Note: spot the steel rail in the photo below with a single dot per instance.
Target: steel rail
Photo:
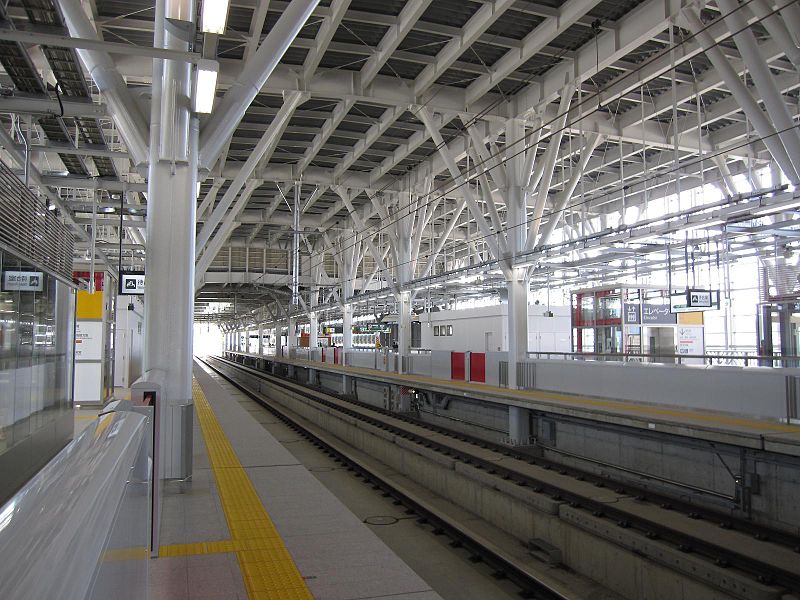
(760, 570)
(504, 566)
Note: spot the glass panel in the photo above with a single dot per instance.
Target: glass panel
(36, 358)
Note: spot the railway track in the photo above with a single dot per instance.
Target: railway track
(768, 558)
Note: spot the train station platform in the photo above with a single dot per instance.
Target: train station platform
(766, 434)
(253, 522)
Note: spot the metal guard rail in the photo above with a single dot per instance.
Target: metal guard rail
(707, 359)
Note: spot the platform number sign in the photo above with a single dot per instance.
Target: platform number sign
(131, 283)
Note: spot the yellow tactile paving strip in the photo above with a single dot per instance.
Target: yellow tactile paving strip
(267, 567)
(563, 399)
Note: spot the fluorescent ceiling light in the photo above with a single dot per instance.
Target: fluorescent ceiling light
(205, 87)
(215, 14)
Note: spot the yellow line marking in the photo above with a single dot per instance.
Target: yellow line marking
(116, 554)
(214, 547)
(85, 417)
(267, 567)
(645, 411)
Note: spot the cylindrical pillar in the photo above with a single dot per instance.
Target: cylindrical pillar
(517, 324)
(403, 328)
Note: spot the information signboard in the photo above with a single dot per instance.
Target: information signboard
(657, 314)
(23, 281)
(631, 314)
(131, 283)
(694, 300)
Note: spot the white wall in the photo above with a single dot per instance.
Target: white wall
(128, 345)
(471, 325)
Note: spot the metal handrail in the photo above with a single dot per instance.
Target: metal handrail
(759, 360)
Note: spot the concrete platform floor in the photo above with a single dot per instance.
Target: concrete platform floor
(347, 541)
(447, 570)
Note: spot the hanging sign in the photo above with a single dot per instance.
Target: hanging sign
(23, 281)
(694, 300)
(131, 283)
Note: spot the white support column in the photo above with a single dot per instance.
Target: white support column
(313, 330)
(403, 328)
(260, 341)
(517, 283)
(264, 149)
(519, 425)
(458, 177)
(122, 106)
(517, 323)
(291, 335)
(563, 198)
(549, 163)
(347, 327)
(169, 295)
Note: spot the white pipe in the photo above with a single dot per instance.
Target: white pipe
(210, 198)
(445, 235)
(549, 165)
(122, 107)
(776, 27)
(233, 105)
(228, 225)
(176, 96)
(458, 178)
(296, 245)
(765, 84)
(564, 196)
(751, 109)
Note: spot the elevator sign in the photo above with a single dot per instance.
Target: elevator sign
(131, 283)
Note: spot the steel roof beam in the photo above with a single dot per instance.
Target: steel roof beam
(129, 119)
(544, 33)
(250, 81)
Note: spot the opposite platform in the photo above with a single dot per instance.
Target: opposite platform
(254, 523)
(707, 425)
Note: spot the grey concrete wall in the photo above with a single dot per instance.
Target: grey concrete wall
(493, 360)
(688, 463)
(741, 391)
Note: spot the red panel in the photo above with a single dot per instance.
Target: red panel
(477, 367)
(323, 355)
(99, 278)
(457, 366)
(336, 356)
